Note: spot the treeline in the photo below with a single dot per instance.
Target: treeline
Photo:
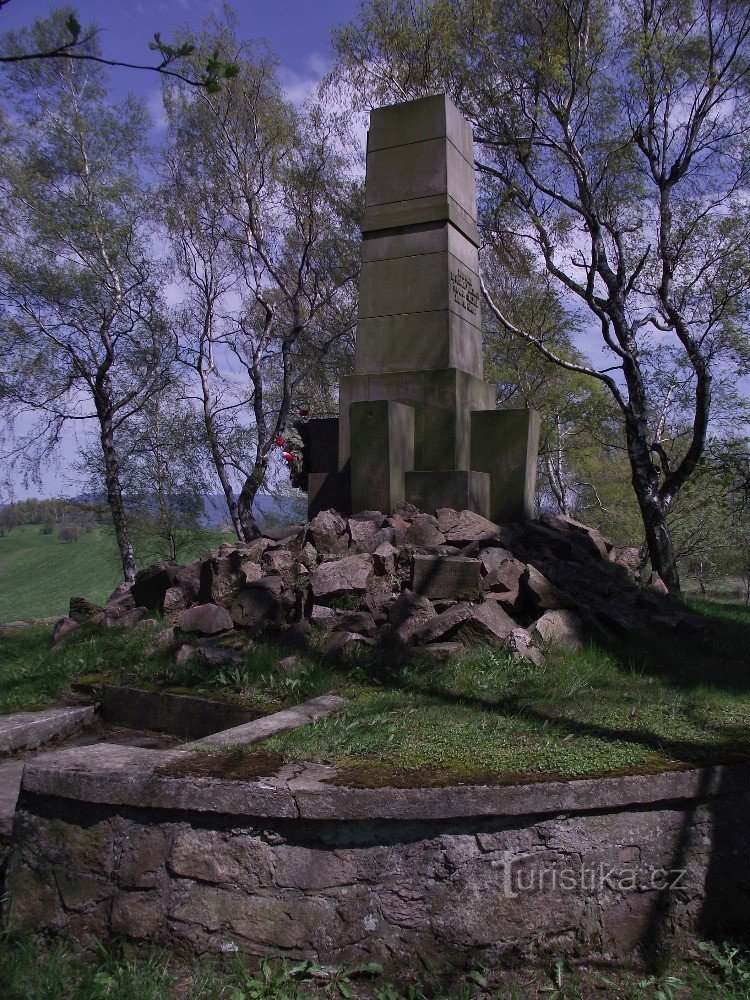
(67, 519)
(189, 301)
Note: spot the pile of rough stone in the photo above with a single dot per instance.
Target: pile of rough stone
(433, 583)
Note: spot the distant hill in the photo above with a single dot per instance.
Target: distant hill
(267, 510)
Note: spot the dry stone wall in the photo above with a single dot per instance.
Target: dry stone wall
(595, 868)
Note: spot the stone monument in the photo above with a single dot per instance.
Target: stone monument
(416, 420)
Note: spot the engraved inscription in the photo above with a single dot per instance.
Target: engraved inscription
(445, 577)
(464, 291)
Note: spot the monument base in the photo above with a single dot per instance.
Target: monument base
(442, 399)
(505, 443)
(457, 489)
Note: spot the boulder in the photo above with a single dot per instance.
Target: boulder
(350, 574)
(81, 610)
(362, 531)
(325, 532)
(362, 622)
(308, 555)
(560, 628)
(252, 571)
(423, 531)
(656, 584)
(468, 623)
(297, 635)
(279, 562)
(441, 626)
(321, 614)
(175, 599)
(486, 623)
(595, 541)
(384, 559)
(493, 557)
(215, 656)
(464, 527)
(258, 602)
(505, 581)
(630, 560)
(407, 614)
(189, 578)
(63, 627)
(152, 583)
(343, 643)
(541, 593)
(521, 646)
(248, 551)
(443, 652)
(205, 619)
(121, 596)
(221, 579)
(125, 618)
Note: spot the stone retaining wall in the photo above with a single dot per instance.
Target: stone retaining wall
(293, 865)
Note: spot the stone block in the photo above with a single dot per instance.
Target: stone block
(416, 121)
(505, 443)
(439, 237)
(320, 436)
(439, 338)
(382, 451)
(445, 577)
(421, 212)
(419, 283)
(443, 400)
(460, 490)
(328, 491)
(402, 175)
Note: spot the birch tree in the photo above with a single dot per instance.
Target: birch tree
(275, 180)
(83, 333)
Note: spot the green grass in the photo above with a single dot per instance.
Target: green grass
(673, 701)
(33, 969)
(642, 706)
(33, 674)
(39, 573)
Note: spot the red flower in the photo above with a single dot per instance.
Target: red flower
(280, 442)
(287, 456)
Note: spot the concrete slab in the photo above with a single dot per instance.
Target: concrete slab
(186, 716)
(27, 730)
(270, 725)
(10, 785)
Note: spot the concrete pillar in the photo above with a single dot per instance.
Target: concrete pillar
(505, 443)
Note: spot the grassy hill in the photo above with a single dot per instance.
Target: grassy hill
(40, 573)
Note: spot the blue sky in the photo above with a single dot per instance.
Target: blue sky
(297, 30)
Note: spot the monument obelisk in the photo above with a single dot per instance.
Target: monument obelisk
(416, 420)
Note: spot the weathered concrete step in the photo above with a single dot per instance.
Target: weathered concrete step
(27, 730)
(277, 722)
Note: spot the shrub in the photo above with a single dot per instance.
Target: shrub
(69, 533)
